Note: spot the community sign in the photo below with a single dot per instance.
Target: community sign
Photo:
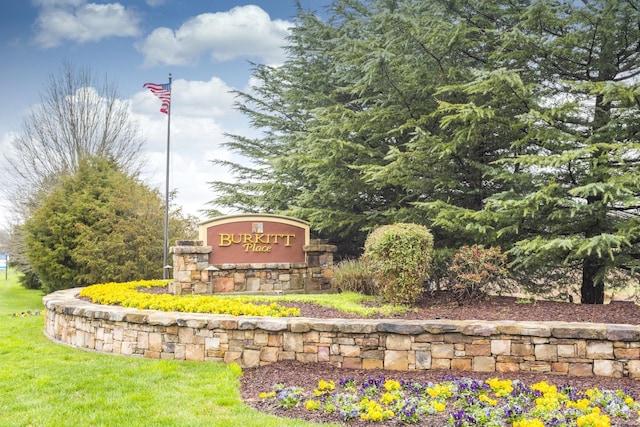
(255, 238)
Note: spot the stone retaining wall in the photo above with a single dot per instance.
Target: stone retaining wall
(578, 349)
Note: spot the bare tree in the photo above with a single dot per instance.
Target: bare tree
(79, 116)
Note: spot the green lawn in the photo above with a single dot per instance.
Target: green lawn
(47, 384)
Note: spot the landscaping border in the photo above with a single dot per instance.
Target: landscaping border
(562, 348)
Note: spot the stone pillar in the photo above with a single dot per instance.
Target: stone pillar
(319, 255)
(190, 258)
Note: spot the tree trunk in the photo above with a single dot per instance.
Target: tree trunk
(592, 289)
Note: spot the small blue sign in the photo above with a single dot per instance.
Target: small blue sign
(4, 260)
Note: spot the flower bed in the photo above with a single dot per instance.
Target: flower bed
(127, 295)
(462, 402)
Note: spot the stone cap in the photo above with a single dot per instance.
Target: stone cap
(320, 248)
(179, 250)
(188, 242)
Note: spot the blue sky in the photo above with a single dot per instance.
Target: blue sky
(205, 44)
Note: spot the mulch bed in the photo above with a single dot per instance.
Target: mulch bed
(291, 373)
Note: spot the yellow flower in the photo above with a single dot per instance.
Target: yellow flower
(391, 385)
(501, 388)
(439, 390)
(312, 405)
(581, 404)
(487, 399)
(438, 406)
(594, 419)
(324, 387)
(528, 423)
(388, 398)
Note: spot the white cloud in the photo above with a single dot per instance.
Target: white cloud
(243, 31)
(201, 114)
(81, 22)
(154, 3)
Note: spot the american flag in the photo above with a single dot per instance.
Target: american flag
(162, 91)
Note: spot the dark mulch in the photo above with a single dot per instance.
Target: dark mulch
(442, 306)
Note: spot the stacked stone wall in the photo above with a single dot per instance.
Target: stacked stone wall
(559, 348)
(191, 277)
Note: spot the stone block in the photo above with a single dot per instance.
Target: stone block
(440, 364)
(212, 343)
(540, 367)
(396, 360)
(251, 358)
(522, 349)
(372, 364)
(484, 364)
(350, 350)
(398, 342)
(292, 342)
(253, 284)
(423, 359)
(599, 350)
(608, 368)
(580, 369)
(223, 284)
(461, 364)
(567, 350)
(627, 353)
(560, 367)
(501, 347)
(623, 333)
(201, 288)
(323, 354)
(269, 354)
(155, 341)
(195, 352)
(442, 351)
(232, 357)
(477, 350)
(546, 352)
(352, 363)
(507, 367)
(633, 366)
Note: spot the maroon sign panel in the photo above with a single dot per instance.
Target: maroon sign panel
(239, 239)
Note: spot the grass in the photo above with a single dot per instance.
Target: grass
(348, 302)
(47, 384)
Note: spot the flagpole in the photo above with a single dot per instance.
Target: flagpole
(165, 269)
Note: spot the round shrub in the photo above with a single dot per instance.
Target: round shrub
(400, 257)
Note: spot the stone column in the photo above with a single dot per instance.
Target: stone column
(319, 255)
(190, 258)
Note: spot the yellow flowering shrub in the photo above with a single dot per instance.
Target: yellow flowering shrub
(127, 295)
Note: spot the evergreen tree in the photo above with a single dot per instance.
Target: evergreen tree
(99, 225)
(495, 122)
(570, 195)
